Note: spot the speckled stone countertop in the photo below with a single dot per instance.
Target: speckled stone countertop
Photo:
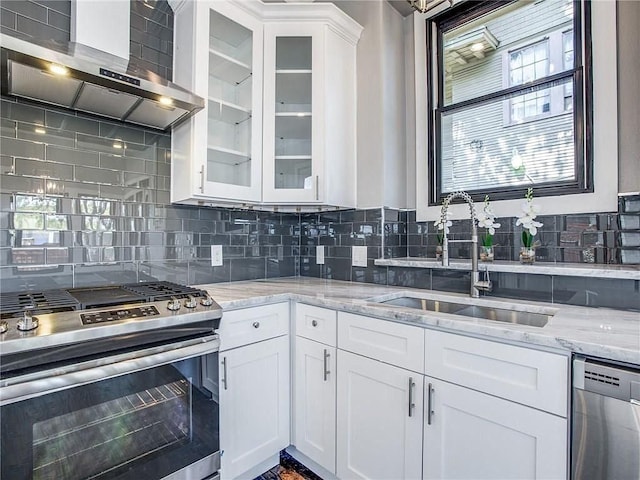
(599, 332)
(626, 272)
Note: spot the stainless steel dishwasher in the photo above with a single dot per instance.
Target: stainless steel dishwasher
(606, 421)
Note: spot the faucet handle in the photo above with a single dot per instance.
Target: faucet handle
(485, 285)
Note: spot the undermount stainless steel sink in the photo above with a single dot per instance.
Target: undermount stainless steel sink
(504, 315)
(425, 304)
(488, 313)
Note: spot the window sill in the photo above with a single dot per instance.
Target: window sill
(626, 272)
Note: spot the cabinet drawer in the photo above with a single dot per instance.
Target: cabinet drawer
(249, 325)
(316, 323)
(530, 377)
(389, 342)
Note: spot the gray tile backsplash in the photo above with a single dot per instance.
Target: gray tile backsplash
(85, 201)
(593, 238)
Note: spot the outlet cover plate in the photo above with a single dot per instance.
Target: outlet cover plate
(359, 256)
(216, 255)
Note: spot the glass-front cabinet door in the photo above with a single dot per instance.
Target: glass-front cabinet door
(292, 170)
(226, 148)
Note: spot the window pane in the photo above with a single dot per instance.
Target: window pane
(567, 46)
(506, 47)
(480, 152)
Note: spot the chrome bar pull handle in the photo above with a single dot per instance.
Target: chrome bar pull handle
(430, 391)
(202, 179)
(223, 380)
(411, 404)
(317, 188)
(326, 364)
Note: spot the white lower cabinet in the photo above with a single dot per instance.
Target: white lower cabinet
(254, 404)
(379, 413)
(472, 435)
(315, 402)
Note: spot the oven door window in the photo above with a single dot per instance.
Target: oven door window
(146, 424)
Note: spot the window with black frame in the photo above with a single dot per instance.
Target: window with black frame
(511, 104)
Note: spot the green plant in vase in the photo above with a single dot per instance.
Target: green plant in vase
(529, 228)
(487, 220)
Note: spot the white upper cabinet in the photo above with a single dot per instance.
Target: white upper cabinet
(279, 126)
(309, 114)
(217, 155)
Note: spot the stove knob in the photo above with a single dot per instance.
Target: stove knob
(27, 322)
(191, 302)
(173, 304)
(4, 326)
(206, 301)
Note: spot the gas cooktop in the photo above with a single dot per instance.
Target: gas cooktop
(13, 304)
(32, 320)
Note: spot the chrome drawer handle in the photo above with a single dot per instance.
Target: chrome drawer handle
(256, 324)
(326, 364)
(224, 372)
(411, 404)
(430, 412)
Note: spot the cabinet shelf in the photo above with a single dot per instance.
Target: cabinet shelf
(293, 87)
(293, 157)
(226, 156)
(227, 112)
(294, 70)
(291, 125)
(227, 68)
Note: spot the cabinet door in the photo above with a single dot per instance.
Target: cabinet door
(379, 435)
(254, 404)
(228, 131)
(472, 435)
(315, 402)
(293, 113)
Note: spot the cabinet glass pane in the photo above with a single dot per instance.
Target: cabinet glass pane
(293, 122)
(293, 53)
(229, 102)
(293, 173)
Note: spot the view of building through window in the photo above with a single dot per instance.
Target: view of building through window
(506, 107)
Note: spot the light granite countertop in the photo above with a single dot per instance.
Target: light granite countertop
(599, 332)
(626, 272)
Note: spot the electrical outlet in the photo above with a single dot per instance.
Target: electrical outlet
(320, 255)
(216, 255)
(359, 257)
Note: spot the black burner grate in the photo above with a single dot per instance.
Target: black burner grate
(50, 301)
(157, 291)
(12, 304)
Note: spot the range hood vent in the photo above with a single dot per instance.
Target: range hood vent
(82, 78)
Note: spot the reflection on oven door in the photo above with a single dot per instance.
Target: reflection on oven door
(146, 424)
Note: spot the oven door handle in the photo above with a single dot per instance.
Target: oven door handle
(56, 379)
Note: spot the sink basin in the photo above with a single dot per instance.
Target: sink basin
(505, 315)
(425, 304)
(487, 313)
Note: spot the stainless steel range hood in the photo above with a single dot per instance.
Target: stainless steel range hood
(79, 77)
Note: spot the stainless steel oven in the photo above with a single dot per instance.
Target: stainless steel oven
(111, 393)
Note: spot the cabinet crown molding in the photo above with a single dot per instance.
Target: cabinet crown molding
(328, 13)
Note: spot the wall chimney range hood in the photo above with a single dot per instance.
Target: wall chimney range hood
(79, 77)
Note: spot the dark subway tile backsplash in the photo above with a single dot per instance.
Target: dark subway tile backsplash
(75, 211)
(85, 201)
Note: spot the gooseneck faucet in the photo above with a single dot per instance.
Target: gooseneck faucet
(476, 284)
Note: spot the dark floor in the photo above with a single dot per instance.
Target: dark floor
(289, 469)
